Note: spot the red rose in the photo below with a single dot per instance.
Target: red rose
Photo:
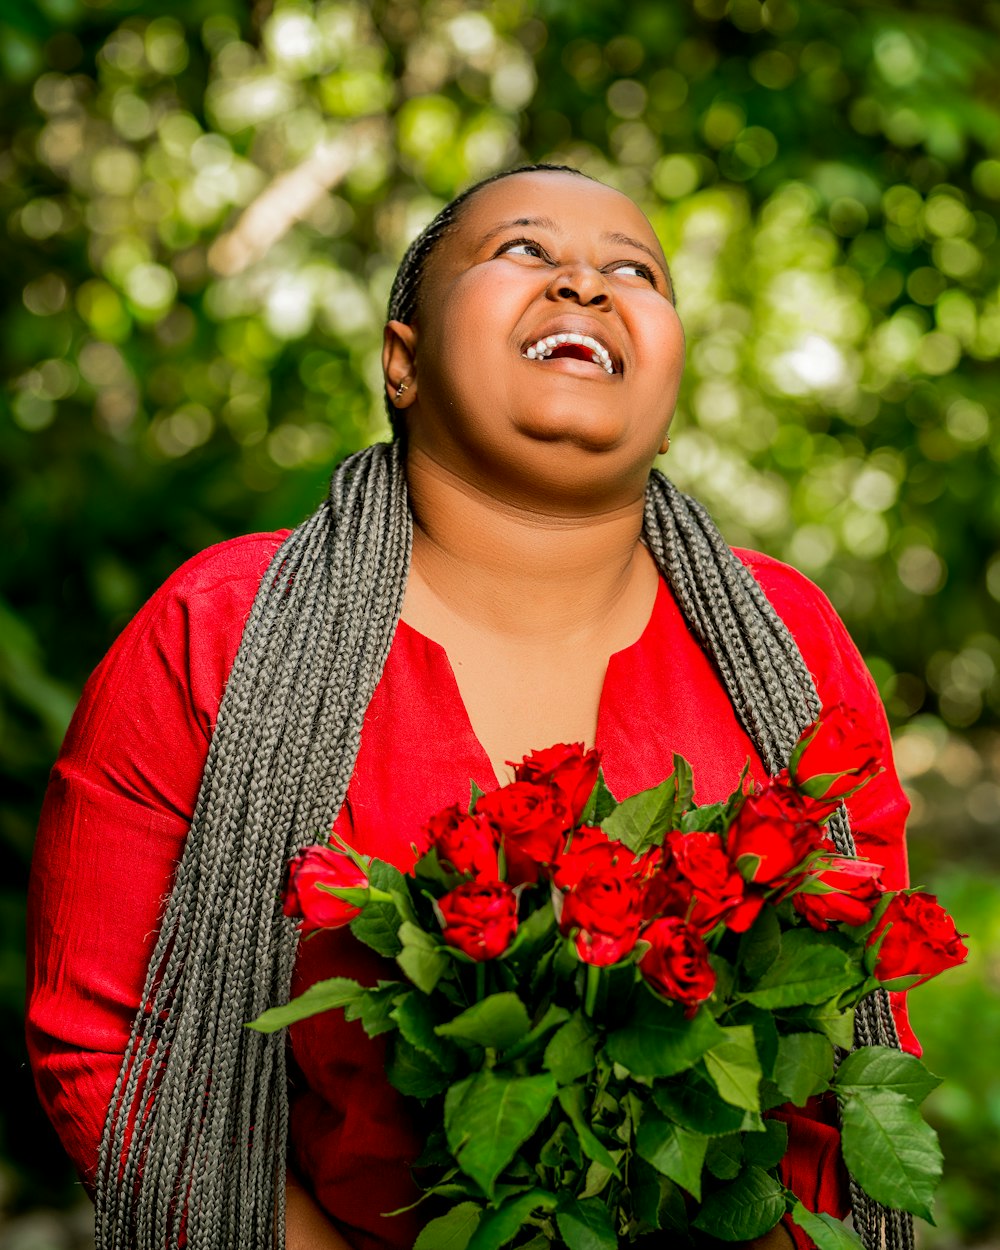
(921, 939)
(676, 965)
(856, 890)
(775, 830)
(479, 918)
(464, 843)
(530, 820)
(591, 852)
(696, 881)
(571, 769)
(312, 868)
(836, 754)
(606, 912)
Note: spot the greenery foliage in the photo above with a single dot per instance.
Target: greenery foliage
(203, 210)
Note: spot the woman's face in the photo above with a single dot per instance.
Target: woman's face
(494, 395)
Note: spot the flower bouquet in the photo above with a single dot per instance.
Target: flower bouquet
(600, 1002)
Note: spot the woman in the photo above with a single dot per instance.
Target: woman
(546, 589)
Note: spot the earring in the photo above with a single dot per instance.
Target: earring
(403, 386)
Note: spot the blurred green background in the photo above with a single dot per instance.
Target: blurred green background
(202, 213)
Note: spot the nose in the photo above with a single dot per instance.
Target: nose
(580, 283)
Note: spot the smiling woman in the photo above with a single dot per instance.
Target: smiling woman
(508, 573)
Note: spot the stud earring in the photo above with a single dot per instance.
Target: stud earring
(403, 386)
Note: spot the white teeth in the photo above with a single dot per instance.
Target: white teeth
(544, 348)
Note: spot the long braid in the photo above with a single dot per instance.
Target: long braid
(195, 1139)
(775, 698)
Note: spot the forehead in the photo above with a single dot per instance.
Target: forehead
(573, 204)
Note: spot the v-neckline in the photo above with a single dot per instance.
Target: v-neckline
(443, 662)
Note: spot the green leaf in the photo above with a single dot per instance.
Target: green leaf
(835, 1022)
(489, 1115)
(475, 794)
(374, 1008)
(734, 1068)
(421, 959)
(767, 1149)
(879, 1067)
(809, 969)
(724, 1157)
(378, 927)
(600, 804)
(554, 1016)
(597, 1178)
(889, 1150)
(640, 821)
(827, 1232)
(570, 1053)
(660, 1040)
(323, 996)
(571, 1100)
(695, 1103)
(748, 1207)
(585, 1224)
(804, 1065)
(413, 1072)
(760, 946)
(531, 933)
(498, 1225)
(498, 1021)
(676, 1152)
(451, 1231)
(415, 1019)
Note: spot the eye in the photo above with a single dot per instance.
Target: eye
(522, 247)
(634, 268)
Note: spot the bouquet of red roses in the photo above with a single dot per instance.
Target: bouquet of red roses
(601, 1001)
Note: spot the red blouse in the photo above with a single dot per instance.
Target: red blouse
(123, 790)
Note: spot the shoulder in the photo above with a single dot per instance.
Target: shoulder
(171, 661)
(234, 562)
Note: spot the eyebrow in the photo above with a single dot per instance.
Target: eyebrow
(612, 236)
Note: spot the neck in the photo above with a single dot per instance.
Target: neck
(517, 571)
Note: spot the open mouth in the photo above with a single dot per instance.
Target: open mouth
(572, 347)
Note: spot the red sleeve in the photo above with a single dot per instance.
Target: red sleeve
(812, 1167)
(116, 813)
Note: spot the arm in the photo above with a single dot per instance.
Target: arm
(115, 817)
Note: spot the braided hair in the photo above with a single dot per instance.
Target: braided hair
(194, 1144)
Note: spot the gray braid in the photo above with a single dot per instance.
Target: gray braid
(195, 1138)
(775, 698)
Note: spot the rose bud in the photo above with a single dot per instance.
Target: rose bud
(836, 755)
(606, 913)
(775, 831)
(568, 767)
(920, 939)
(591, 852)
(465, 844)
(531, 821)
(855, 888)
(676, 965)
(311, 869)
(479, 918)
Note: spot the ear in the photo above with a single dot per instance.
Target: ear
(399, 363)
